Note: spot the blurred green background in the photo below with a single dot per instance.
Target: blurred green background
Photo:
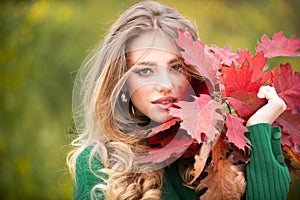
(43, 43)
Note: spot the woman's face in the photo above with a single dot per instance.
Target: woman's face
(156, 80)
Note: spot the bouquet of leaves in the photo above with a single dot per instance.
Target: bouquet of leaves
(235, 78)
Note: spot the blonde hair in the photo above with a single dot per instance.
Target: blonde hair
(100, 117)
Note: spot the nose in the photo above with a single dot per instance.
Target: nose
(164, 82)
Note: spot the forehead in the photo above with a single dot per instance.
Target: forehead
(154, 47)
(153, 40)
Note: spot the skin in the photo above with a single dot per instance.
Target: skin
(269, 112)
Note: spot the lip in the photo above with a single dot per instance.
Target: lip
(165, 102)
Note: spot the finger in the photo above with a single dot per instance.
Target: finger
(267, 92)
(262, 92)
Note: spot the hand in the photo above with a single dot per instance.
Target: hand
(269, 112)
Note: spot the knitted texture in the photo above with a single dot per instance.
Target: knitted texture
(268, 177)
(86, 179)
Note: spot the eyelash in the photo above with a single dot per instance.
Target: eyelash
(146, 71)
(142, 72)
(178, 66)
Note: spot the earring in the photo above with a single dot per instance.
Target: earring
(132, 110)
(124, 98)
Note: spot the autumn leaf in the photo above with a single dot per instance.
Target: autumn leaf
(295, 156)
(170, 152)
(223, 184)
(220, 149)
(159, 128)
(245, 103)
(239, 79)
(290, 124)
(195, 54)
(239, 156)
(240, 89)
(279, 45)
(242, 74)
(224, 181)
(200, 160)
(200, 117)
(287, 85)
(164, 136)
(223, 56)
(198, 167)
(256, 63)
(235, 131)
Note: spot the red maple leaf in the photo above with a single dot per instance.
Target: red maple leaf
(256, 62)
(240, 85)
(242, 77)
(195, 54)
(290, 124)
(199, 117)
(287, 85)
(279, 46)
(245, 103)
(162, 127)
(223, 56)
(235, 131)
(248, 77)
(171, 151)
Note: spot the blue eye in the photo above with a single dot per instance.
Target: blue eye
(143, 71)
(177, 67)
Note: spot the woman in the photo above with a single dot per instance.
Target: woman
(135, 77)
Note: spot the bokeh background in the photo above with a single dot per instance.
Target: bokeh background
(43, 43)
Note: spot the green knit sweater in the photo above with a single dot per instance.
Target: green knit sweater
(267, 175)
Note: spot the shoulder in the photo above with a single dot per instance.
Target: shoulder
(87, 174)
(88, 161)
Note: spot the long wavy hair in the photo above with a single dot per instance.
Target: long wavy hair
(100, 117)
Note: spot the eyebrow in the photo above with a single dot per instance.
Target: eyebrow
(172, 61)
(146, 63)
(175, 60)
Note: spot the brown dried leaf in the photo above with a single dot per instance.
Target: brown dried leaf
(223, 182)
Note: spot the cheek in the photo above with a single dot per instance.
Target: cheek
(180, 83)
(139, 98)
(135, 84)
(183, 89)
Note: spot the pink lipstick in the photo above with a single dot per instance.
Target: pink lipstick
(165, 102)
